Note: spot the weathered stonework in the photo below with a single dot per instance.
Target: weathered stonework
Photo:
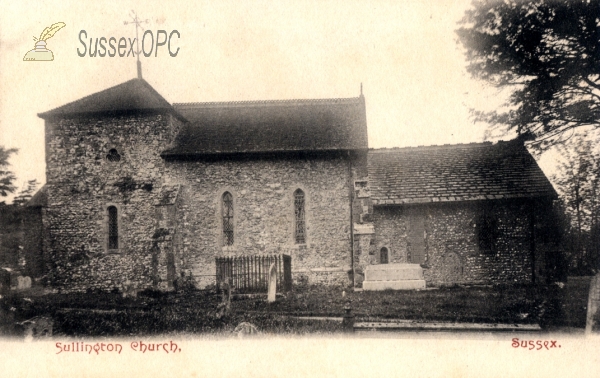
(262, 191)
(164, 170)
(163, 238)
(452, 252)
(82, 182)
(362, 223)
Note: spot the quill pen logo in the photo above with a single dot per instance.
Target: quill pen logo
(40, 52)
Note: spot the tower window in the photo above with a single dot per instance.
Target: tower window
(113, 228)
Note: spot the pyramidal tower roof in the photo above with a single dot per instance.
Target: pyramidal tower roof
(133, 95)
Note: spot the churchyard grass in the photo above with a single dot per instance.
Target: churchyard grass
(195, 312)
(461, 304)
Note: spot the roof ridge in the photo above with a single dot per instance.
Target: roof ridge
(351, 100)
(433, 146)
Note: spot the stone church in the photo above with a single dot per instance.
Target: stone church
(143, 191)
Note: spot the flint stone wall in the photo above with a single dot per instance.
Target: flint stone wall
(452, 252)
(81, 183)
(262, 190)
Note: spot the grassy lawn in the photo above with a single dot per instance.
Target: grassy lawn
(508, 304)
(108, 314)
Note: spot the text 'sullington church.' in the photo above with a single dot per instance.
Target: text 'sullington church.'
(143, 191)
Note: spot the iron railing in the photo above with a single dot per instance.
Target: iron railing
(250, 274)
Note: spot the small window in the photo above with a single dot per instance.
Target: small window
(113, 156)
(299, 214)
(113, 228)
(227, 212)
(384, 256)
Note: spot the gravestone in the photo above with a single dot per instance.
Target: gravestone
(23, 283)
(348, 319)
(245, 328)
(224, 308)
(272, 283)
(129, 290)
(20, 283)
(593, 313)
(38, 327)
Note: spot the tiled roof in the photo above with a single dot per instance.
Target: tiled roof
(271, 126)
(132, 95)
(39, 199)
(460, 172)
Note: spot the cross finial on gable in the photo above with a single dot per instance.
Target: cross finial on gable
(135, 20)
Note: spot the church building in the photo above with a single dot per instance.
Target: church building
(142, 191)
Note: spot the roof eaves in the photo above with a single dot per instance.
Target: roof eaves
(422, 201)
(431, 147)
(175, 154)
(112, 112)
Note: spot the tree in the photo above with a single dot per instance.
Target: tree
(547, 53)
(578, 181)
(6, 177)
(25, 195)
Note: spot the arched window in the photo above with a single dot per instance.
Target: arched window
(299, 214)
(227, 213)
(384, 256)
(113, 228)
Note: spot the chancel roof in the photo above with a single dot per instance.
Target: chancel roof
(463, 172)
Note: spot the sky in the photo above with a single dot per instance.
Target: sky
(405, 54)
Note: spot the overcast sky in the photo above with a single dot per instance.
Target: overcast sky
(404, 52)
